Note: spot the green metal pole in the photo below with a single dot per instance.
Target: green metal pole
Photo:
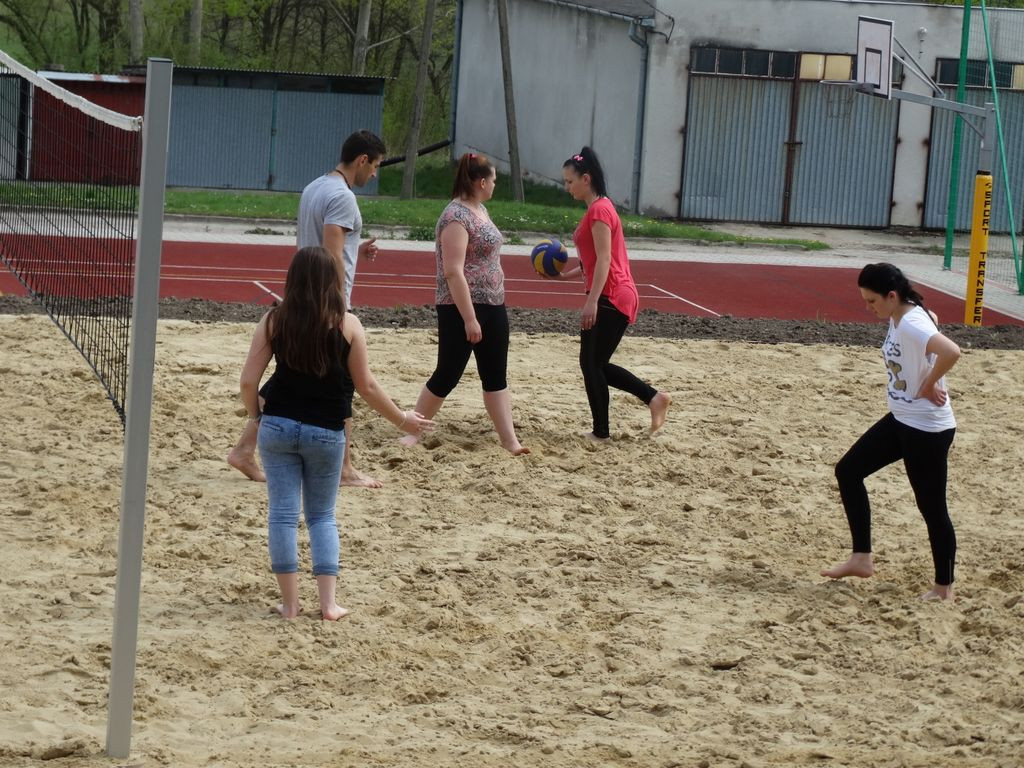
(958, 130)
(1002, 153)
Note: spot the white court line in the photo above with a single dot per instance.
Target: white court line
(213, 268)
(685, 301)
(431, 286)
(258, 284)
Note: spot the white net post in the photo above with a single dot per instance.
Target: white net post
(156, 129)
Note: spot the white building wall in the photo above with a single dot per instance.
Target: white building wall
(576, 82)
(823, 26)
(577, 74)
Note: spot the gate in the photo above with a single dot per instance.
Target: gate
(940, 157)
(844, 158)
(787, 152)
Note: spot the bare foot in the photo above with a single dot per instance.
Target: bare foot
(516, 449)
(290, 612)
(356, 479)
(659, 410)
(246, 464)
(939, 592)
(334, 613)
(860, 564)
(409, 440)
(595, 439)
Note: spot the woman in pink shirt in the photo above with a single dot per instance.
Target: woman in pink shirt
(612, 301)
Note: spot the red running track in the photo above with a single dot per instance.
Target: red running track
(255, 273)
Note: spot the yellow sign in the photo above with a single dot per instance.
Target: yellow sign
(974, 301)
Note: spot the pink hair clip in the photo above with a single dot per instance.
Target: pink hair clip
(578, 158)
(471, 155)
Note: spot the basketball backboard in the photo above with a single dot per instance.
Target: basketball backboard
(874, 56)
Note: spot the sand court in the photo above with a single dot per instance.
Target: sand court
(654, 602)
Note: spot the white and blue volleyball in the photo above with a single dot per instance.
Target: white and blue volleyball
(549, 257)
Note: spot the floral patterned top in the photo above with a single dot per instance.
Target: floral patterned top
(483, 266)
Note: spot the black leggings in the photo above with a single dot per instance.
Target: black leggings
(453, 350)
(924, 456)
(597, 345)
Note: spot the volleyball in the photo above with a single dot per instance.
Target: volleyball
(549, 257)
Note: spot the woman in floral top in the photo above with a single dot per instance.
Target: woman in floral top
(471, 316)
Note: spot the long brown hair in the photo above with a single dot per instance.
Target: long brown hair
(472, 167)
(302, 327)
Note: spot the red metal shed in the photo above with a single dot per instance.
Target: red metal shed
(69, 146)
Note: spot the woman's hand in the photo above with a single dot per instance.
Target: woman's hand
(934, 393)
(414, 423)
(473, 331)
(588, 315)
(565, 274)
(946, 354)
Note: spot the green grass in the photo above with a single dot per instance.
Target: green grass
(548, 210)
(239, 204)
(80, 196)
(434, 179)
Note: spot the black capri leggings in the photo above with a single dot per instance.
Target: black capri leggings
(453, 350)
(597, 345)
(924, 455)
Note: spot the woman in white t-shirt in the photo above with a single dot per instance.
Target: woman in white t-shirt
(919, 427)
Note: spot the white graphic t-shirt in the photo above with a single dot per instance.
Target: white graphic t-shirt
(908, 366)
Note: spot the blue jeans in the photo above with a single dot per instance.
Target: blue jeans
(303, 467)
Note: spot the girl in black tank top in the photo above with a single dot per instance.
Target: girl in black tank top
(320, 355)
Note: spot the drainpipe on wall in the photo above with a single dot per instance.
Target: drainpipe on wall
(638, 34)
(455, 77)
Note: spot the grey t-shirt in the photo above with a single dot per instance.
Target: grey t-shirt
(329, 200)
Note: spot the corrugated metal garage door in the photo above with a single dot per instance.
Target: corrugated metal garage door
(739, 131)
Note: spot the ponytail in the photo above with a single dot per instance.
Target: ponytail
(586, 162)
(472, 167)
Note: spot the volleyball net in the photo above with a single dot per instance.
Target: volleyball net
(81, 226)
(69, 197)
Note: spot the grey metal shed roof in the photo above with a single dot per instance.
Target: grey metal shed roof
(289, 81)
(633, 9)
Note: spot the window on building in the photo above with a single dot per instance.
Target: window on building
(1004, 74)
(756, 63)
(788, 65)
(743, 62)
(705, 60)
(1007, 74)
(812, 66)
(730, 61)
(784, 64)
(838, 67)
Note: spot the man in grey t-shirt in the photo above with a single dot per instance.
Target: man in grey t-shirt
(329, 216)
(328, 211)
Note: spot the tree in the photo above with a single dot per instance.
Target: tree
(32, 24)
(515, 174)
(412, 142)
(360, 44)
(135, 31)
(195, 32)
(369, 37)
(110, 33)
